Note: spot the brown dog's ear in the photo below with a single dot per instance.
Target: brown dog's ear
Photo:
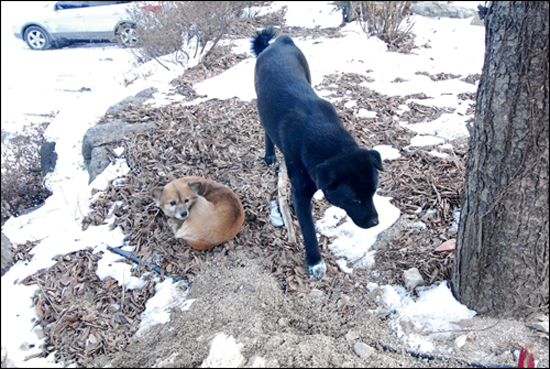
(195, 186)
(157, 194)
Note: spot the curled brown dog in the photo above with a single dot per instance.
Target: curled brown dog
(202, 212)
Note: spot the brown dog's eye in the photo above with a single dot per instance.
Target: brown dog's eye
(173, 202)
(186, 201)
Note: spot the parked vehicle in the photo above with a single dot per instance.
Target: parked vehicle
(62, 21)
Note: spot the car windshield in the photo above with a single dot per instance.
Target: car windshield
(71, 4)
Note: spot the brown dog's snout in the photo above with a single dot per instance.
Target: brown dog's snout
(184, 214)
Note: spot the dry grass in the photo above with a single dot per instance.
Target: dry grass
(22, 178)
(189, 29)
(388, 20)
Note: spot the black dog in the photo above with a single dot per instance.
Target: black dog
(319, 152)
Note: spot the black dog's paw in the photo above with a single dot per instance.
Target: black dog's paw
(270, 159)
(317, 271)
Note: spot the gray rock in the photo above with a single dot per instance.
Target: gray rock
(316, 293)
(95, 154)
(48, 157)
(362, 350)
(541, 326)
(412, 278)
(351, 336)
(476, 21)
(138, 99)
(7, 254)
(441, 9)
(95, 139)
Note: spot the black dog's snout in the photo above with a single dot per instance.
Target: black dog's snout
(373, 222)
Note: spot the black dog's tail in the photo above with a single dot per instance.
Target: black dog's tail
(261, 40)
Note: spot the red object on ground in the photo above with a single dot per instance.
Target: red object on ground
(154, 8)
(527, 356)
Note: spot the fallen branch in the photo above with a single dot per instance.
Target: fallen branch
(283, 203)
(130, 256)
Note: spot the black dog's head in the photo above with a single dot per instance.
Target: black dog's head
(349, 181)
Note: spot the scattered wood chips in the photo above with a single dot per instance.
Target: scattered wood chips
(82, 316)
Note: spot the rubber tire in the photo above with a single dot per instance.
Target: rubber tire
(126, 35)
(37, 39)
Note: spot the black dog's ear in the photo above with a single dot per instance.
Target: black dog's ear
(375, 159)
(325, 176)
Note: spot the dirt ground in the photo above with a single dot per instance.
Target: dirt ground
(235, 295)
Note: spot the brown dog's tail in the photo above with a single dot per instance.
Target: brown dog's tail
(261, 40)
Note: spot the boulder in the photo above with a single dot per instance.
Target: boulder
(138, 99)
(48, 157)
(98, 137)
(7, 254)
(441, 9)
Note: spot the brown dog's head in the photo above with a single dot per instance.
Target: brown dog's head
(176, 198)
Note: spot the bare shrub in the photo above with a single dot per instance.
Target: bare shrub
(388, 20)
(187, 29)
(22, 179)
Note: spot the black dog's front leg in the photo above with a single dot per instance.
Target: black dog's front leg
(269, 157)
(302, 207)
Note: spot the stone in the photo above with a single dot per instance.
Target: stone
(351, 336)
(476, 21)
(7, 254)
(362, 350)
(95, 153)
(441, 9)
(412, 278)
(137, 100)
(460, 341)
(541, 326)
(97, 137)
(48, 157)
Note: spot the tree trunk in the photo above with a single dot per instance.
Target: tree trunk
(502, 255)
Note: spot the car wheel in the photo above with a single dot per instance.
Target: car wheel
(37, 38)
(126, 35)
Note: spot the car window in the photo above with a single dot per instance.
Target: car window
(71, 4)
(102, 3)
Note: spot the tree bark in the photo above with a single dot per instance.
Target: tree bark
(502, 255)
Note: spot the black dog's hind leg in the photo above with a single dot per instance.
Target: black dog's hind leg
(302, 207)
(270, 157)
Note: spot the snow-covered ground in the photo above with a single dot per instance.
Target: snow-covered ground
(35, 83)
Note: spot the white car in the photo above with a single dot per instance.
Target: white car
(61, 21)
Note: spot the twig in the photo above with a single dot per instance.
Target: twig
(123, 291)
(283, 204)
(47, 297)
(466, 330)
(129, 255)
